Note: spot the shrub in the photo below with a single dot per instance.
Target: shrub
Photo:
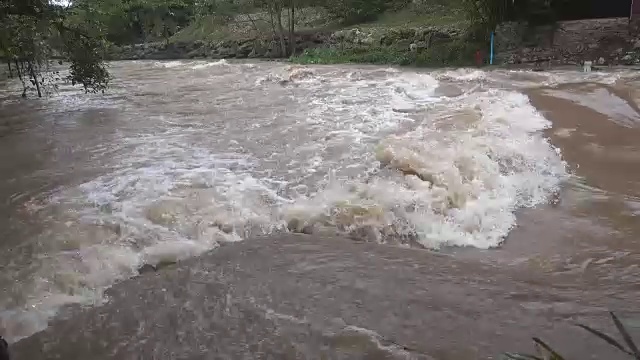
(452, 53)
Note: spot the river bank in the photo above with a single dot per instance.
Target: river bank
(426, 46)
(605, 42)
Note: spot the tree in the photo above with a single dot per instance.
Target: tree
(133, 21)
(275, 9)
(32, 31)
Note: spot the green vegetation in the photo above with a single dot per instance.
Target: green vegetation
(453, 53)
(546, 352)
(322, 15)
(412, 16)
(33, 32)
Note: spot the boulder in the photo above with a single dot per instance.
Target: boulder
(402, 45)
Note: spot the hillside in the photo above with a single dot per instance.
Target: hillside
(316, 19)
(434, 29)
(420, 32)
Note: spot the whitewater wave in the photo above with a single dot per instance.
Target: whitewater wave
(169, 64)
(464, 74)
(222, 62)
(376, 154)
(457, 179)
(288, 75)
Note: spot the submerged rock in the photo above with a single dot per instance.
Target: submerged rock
(149, 268)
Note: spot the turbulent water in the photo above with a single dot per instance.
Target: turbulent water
(181, 157)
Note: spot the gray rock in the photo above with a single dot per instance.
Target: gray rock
(421, 44)
(244, 50)
(147, 268)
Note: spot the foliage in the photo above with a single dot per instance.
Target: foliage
(485, 15)
(546, 352)
(86, 65)
(131, 21)
(457, 52)
(32, 32)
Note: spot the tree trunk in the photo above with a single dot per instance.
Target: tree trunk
(19, 71)
(273, 21)
(10, 69)
(254, 23)
(292, 27)
(35, 78)
(278, 13)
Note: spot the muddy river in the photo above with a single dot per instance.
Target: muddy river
(532, 177)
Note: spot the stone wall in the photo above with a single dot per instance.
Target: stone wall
(604, 41)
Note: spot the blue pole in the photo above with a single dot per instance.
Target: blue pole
(491, 57)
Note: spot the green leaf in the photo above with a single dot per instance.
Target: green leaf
(553, 353)
(605, 337)
(625, 335)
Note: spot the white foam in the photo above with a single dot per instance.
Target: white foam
(169, 64)
(457, 169)
(465, 174)
(222, 62)
(169, 202)
(291, 74)
(464, 74)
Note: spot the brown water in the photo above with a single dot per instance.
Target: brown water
(535, 174)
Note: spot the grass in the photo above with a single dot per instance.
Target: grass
(208, 28)
(246, 26)
(415, 16)
(418, 14)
